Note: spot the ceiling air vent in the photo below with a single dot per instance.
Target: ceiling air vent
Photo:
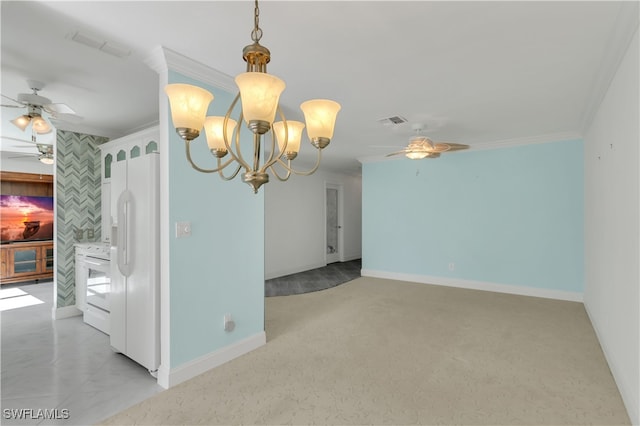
(104, 46)
(392, 121)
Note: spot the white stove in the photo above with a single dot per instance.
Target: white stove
(93, 283)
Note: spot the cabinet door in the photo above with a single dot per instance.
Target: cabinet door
(46, 256)
(23, 261)
(4, 271)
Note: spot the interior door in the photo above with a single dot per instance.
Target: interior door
(333, 226)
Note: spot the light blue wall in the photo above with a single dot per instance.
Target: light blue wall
(509, 216)
(220, 268)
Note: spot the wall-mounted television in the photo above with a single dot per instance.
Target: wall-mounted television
(25, 218)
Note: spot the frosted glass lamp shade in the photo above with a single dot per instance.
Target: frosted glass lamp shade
(260, 93)
(21, 122)
(46, 159)
(320, 116)
(188, 105)
(40, 125)
(294, 135)
(213, 127)
(417, 155)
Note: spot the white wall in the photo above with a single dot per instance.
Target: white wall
(295, 222)
(612, 225)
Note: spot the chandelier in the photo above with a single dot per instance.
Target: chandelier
(259, 93)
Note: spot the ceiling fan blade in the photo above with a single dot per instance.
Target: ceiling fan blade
(68, 118)
(396, 153)
(16, 139)
(441, 147)
(59, 108)
(456, 146)
(12, 106)
(20, 104)
(25, 156)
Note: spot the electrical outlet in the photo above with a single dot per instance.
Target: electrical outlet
(90, 234)
(452, 266)
(79, 234)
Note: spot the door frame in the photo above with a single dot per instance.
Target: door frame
(340, 255)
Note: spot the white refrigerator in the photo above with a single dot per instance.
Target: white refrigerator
(135, 266)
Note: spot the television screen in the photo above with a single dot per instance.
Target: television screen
(26, 218)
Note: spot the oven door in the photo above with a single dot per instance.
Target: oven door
(98, 283)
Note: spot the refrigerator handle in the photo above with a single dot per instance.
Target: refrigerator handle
(124, 205)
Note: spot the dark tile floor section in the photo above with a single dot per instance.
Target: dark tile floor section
(316, 279)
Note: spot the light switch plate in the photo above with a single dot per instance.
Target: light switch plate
(183, 229)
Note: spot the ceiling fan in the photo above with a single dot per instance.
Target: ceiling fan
(35, 105)
(422, 147)
(45, 152)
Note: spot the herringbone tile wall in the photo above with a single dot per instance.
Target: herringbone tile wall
(78, 201)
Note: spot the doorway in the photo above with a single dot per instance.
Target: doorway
(333, 215)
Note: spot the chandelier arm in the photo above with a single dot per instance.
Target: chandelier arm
(236, 156)
(187, 144)
(233, 175)
(308, 172)
(275, 172)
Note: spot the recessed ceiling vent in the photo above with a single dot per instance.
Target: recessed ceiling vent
(396, 120)
(104, 46)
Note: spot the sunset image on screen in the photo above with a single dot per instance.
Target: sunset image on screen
(26, 218)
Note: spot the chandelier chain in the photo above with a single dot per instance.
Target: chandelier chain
(256, 34)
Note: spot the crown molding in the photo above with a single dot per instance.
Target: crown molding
(529, 140)
(624, 29)
(162, 59)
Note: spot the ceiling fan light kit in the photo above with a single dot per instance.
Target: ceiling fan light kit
(33, 117)
(259, 93)
(46, 158)
(35, 104)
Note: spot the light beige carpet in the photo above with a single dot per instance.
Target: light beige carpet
(376, 351)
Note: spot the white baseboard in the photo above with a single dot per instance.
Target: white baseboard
(65, 312)
(350, 258)
(193, 368)
(476, 285)
(289, 271)
(284, 272)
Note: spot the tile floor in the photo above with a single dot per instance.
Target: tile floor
(314, 280)
(63, 364)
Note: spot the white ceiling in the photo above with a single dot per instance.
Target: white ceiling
(471, 72)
